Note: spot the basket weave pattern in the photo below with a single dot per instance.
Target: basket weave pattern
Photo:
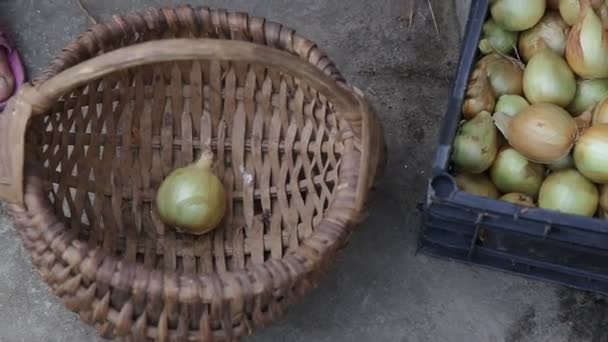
(296, 173)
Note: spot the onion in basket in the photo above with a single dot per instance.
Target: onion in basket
(505, 74)
(542, 132)
(570, 192)
(511, 104)
(519, 199)
(496, 38)
(587, 45)
(600, 112)
(550, 32)
(192, 198)
(512, 172)
(588, 93)
(591, 153)
(475, 145)
(548, 78)
(517, 15)
(477, 184)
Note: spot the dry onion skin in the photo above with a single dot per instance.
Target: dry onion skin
(587, 45)
(477, 184)
(517, 15)
(548, 78)
(519, 199)
(568, 191)
(591, 153)
(191, 198)
(543, 133)
(479, 96)
(550, 32)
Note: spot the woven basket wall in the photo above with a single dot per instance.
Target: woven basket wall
(297, 172)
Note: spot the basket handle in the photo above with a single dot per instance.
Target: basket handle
(166, 50)
(38, 100)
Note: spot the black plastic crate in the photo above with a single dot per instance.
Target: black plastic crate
(566, 249)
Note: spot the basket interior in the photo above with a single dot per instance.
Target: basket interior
(106, 146)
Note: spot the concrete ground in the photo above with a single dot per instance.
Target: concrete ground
(379, 290)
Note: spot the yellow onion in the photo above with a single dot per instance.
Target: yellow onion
(570, 9)
(479, 96)
(505, 74)
(587, 45)
(192, 198)
(570, 192)
(600, 112)
(519, 199)
(495, 38)
(591, 153)
(588, 93)
(547, 78)
(512, 172)
(603, 207)
(494, 75)
(477, 184)
(475, 145)
(550, 32)
(567, 162)
(511, 104)
(543, 132)
(517, 15)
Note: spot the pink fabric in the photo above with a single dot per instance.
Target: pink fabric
(15, 63)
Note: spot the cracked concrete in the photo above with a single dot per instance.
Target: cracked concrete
(379, 289)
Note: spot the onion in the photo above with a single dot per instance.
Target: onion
(475, 145)
(591, 153)
(542, 132)
(603, 207)
(570, 192)
(505, 74)
(550, 32)
(511, 104)
(566, 162)
(512, 172)
(519, 199)
(192, 198)
(588, 93)
(479, 96)
(547, 78)
(477, 184)
(570, 9)
(583, 121)
(495, 38)
(587, 45)
(517, 15)
(600, 112)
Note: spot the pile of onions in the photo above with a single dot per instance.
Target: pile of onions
(192, 198)
(548, 99)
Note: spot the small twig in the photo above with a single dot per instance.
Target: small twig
(86, 12)
(433, 16)
(411, 21)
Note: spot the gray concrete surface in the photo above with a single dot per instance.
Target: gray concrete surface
(379, 290)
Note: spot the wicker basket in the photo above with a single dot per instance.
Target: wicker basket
(83, 150)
